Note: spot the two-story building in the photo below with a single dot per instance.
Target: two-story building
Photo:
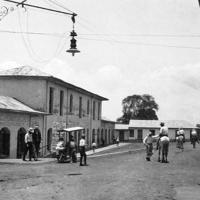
(55, 104)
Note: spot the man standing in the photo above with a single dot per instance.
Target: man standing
(163, 132)
(148, 142)
(37, 140)
(82, 145)
(194, 138)
(28, 144)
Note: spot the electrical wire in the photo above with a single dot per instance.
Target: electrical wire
(140, 35)
(34, 33)
(63, 35)
(100, 34)
(28, 45)
(60, 5)
(143, 44)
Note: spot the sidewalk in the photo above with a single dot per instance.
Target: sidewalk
(98, 152)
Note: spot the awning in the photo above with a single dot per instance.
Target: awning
(71, 129)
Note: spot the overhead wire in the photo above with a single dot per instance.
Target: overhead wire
(28, 45)
(98, 34)
(111, 35)
(143, 44)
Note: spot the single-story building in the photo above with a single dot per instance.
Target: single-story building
(15, 119)
(136, 130)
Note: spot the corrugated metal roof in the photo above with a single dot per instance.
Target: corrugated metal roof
(156, 124)
(71, 129)
(11, 104)
(27, 71)
(121, 126)
(23, 71)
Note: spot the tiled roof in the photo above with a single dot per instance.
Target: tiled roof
(23, 71)
(156, 124)
(11, 104)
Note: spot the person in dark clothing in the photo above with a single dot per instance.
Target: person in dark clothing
(72, 150)
(36, 140)
(82, 145)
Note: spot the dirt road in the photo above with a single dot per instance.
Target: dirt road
(124, 176)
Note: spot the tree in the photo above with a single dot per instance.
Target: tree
(141, 107)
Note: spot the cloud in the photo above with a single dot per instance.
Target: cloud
(176, 90)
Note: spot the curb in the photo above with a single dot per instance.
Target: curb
(115, 153)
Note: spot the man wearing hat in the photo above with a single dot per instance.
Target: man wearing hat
(163, 132)
(28, 144)
(82, 145)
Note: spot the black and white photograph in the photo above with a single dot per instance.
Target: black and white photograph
(99, 100)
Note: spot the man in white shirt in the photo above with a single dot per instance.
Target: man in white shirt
(82, 145)
(28, 144)
(163, 133)
(148, 142)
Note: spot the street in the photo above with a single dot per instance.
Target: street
(124, 176)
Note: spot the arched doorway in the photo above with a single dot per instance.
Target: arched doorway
(49, 139)
(20, 141)
(4, 142)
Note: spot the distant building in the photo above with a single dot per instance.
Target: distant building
(50, 103)
(136, 130)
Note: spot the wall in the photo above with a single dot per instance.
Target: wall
(15, 121)
(35, 93)
(71, 119)
(29, 91)
(108, 130)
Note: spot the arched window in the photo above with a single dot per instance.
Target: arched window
(71, 103)
(49, 139)
(106, 136)
(4, 142)
(20, 141)
(102, 137)
(109, 139)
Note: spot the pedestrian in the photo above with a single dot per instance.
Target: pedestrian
(72, 150)
(163, 132)
(28, 144)
(148, 142)
(94, 146)
(194, 138)
(83, 155)
(180, 138)
(102, 142)
(36, 140)
(117, 141)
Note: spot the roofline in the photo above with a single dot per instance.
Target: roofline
(58, 81)
(25, 112)
(157, 127)
(108, 121)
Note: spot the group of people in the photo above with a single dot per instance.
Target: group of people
(71, 149)
(32, 142)
(163, 138)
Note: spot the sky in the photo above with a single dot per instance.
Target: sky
(127, 47)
